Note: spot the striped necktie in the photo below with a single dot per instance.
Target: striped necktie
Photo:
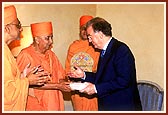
(102, 53)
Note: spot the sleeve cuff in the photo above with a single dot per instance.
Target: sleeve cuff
(84, 77)
(95, 88)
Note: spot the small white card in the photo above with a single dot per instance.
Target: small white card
(77, 86)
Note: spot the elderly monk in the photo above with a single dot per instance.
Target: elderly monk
(83, 54)
(39, 53)
(16, 84)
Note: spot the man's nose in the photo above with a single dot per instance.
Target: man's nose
(51, 41)
(21, 29)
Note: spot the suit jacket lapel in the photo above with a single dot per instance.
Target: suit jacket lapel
(103, 61)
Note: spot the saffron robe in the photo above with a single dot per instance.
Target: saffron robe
(85, 56)
(43, 100)
(15, 88)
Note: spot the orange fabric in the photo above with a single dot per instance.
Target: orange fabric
(15, 89)
(84, 19)
(9, 14)
(33, 101)
(41, 29)
(81, 102)
(46, 100)
(81, 46)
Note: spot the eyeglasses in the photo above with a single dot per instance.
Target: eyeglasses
(19, 26)
(90, 36)
(46, 37)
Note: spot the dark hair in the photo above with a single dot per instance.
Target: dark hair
(99, 24)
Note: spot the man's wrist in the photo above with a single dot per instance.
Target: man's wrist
(84, 76)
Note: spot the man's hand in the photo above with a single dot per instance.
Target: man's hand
(36, 76)
(77, 73)
(63, 86)
(89, 89)
(25, 71)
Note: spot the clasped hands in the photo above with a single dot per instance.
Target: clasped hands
(35, 75)
(40, 79)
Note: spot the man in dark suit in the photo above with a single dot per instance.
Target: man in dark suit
(115, 80)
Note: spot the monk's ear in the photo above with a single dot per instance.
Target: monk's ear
(7, 29)
(36, 39)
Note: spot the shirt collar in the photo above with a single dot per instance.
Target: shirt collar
(105, 46)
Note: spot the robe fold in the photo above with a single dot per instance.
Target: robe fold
(43, 100)
(15, 88)
(85, 56)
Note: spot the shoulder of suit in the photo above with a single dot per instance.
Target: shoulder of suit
(120, 42)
